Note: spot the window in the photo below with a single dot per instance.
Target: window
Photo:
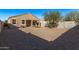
(14, 21)
(23, 21)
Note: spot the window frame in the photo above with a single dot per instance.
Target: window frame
(23, 21)
(13, 21)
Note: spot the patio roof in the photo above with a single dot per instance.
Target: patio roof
(29, 16)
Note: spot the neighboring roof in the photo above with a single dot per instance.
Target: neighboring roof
(29, 16)
(0, 21)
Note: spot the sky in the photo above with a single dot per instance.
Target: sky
(5, 13)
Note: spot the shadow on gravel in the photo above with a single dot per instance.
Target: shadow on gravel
(16, 39)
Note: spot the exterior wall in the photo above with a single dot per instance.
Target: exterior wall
(18, 22)
(43, 23)
(66, 24)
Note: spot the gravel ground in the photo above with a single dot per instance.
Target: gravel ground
(45, 33)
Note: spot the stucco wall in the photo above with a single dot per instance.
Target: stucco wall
(43, 23)
(18, 21)
(20, 18)
(66, 24)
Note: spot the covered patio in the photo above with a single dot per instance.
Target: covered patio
(31, 23)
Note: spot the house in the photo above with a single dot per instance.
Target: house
(27, 20)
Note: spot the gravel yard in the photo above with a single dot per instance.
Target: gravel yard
(45, 33)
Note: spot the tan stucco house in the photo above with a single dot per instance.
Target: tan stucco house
(27, 20)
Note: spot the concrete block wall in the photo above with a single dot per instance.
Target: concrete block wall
(66, 24)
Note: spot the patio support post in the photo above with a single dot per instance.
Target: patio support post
(31, 23)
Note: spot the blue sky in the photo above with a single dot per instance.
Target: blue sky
(5, 13)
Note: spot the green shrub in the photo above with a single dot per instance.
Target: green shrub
(52, 25)
(6, 25)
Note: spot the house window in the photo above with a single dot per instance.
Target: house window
(14, 21)
(23, 21)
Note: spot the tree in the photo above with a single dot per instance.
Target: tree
(52, 18)
(72, 16)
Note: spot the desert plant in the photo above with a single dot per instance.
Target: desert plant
(6, 24)
(72, 16)
(53, 18)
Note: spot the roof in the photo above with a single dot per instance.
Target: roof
(29, 16)
(0, 21)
